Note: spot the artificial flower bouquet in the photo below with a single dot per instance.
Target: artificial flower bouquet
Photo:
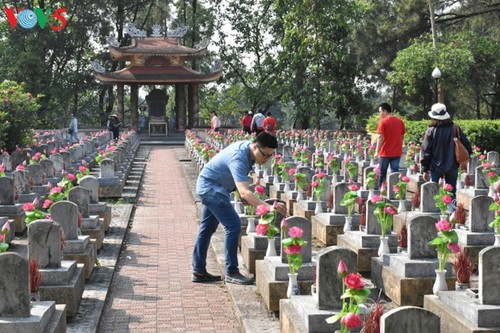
(350, 198)
(319, 185)
(384, 213)
(333, 163)
(444, 198)
(446, 242)
(266, 226)
(371, 177)
(495, 224)
(400, 188)
(292, 246)
(354, 291)
(300, 179)
(488, 169)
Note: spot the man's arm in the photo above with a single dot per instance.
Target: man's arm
(247, 196)
(380, 139)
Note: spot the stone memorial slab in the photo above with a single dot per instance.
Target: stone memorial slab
(48, 166)
(421, 230)
(14, 282)
(36, 174)
(392, 179)
(66, 214)
(305, 225)
(81, 197)
(44, 243)
(480, 178)
(339, 189)
(58, 161)
(427, 192)
(489, 271)
(92, 185)
(493, 157)
(410, 319)
(21, 182)
(7, 192)
(328, 282)
(480, 215)
(107, 169)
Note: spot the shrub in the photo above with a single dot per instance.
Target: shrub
(463, 267)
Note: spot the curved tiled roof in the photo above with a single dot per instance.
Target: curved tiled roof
(157, 75)
(155, 46)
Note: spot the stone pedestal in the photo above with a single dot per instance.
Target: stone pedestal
(93, 227)
(104, 211)
(83, 251)
(301, 314)
(326, 227)
(16, 213)
(453, 319)
(465, 196)
(63, 285)
(272, 280)
(305, 208)
(45, 317)
(111, 187)
(406, 281)
(365, 246)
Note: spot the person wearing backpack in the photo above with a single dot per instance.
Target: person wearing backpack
(269, 123)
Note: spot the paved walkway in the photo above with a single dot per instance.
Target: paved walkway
(152, 289)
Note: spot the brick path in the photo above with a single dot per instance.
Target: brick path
(152, 289)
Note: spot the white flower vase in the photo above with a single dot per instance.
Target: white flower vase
(250, 225)
(271, 247)
(370, 194)
(265, 174)
(300, 195)
(440, 282)
(293, 286)
(409, 171)
(497, 240)
(275, 179)
(401, 207)
(491, 192)
(334, 179)
(238, 207)
(348, 224)
(319, 208)
(459, 185)
(443, 217)
(286, 189)
(384, 246)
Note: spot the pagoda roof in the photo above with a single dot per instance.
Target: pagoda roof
(157, 75)
(156, 46)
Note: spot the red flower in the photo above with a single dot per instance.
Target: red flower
(259, 189)
(351, 320)
(261, 229)
(28, 206)
(443, 225)
(353, 281)
(447, 199)
(293, 249)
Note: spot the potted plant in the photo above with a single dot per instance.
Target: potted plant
(463, 267)
(415, 201)
(35, 279)
(459, 215)
(372, 321)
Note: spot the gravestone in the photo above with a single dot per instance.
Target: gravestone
(421, 230)
(107, 169)
(66, 214)
(305, 225)
(373, 227)
(409, 319)
(493, 157)
(288, 153)
(489, 271)
(17, 158)
(36, 174)
(81, 197)
(6, 160)
(21, 182)
(392, 179)
(480, 215)
(58, 161)
(92, 185)
(48, 166)
(328, 282)
(339, 190)
(481, 179)
(14, 282)
(44, 243)
(427, 192)
(7, 192)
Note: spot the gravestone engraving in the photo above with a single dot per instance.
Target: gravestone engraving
(44, 243)
(421, 230)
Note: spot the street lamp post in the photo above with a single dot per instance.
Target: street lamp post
(436, 74)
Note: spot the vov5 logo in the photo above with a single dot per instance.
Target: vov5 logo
(27, 18)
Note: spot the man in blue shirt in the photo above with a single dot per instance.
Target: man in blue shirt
(225, 173)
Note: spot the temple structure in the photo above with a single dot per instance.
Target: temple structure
(158, 60)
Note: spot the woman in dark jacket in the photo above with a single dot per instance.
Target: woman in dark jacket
(438, 148)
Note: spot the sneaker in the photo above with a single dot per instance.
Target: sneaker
(238, 278)
(205, 277)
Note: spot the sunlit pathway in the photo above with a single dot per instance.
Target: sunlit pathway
(152, 289)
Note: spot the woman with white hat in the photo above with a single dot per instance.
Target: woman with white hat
(438, 148)
(114, 126)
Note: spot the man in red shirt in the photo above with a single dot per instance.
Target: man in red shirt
(269, 123)
(391, 131)
(246, 122)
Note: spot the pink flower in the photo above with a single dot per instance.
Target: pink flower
(259, 189)
(28, 206)
(354, 187)
(447, 199)
(443, 225)
(70, 176)
(291, 172)
(448, 187)
(295, 232)
(47, 203)
(56, 189)
(406, 179)
(359, 201)
(482, 157)
(353, 281)
(377, 198)
(315, 183)
(453, 247)
(20, 167)
(342, 267)
(293, 249)
(81, 168)
(351, 320)
(6, 228)
(487, 165)
(262, 209)
(377, 171)
(321, 175)
(492, 174)
(284, 224)
(395, 189)
(261, 229)
(389, 210)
